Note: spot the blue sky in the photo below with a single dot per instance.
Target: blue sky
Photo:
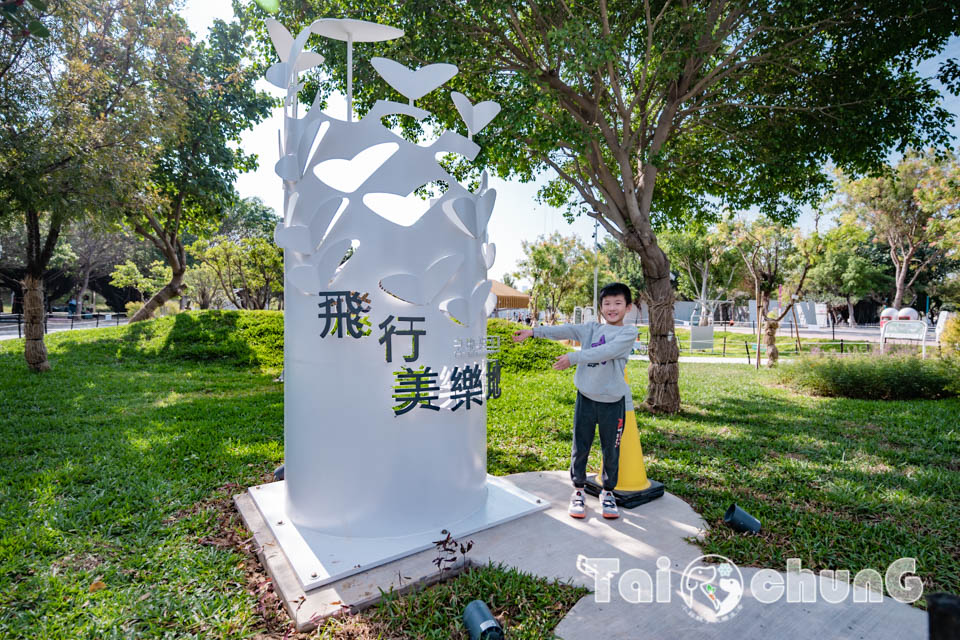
(517, 215)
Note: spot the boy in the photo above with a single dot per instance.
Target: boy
(603, 396)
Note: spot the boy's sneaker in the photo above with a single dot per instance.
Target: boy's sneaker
(609, 504)
(578, 508)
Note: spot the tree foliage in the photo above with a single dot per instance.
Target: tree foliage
(250, 271)
(652, 114)
(844, 273)
(913, 208)
(190, 186)
(557, 266)
(708, 268)
(81, 115)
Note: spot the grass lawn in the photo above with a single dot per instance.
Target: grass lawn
(838, 483)
(116, 468)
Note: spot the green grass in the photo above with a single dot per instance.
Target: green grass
(115, 467)
(838, 483)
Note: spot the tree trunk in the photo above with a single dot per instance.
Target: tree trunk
(852, 320)
(663, 385)
(770, 341)
(171, 289)
(35, 351)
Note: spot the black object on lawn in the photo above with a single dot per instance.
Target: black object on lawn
(278, 473)
(943, 613)
(480, 622)
(740, 520)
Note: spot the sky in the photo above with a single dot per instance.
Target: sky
(517, 216)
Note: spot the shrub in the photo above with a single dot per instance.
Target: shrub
(240, 337)
(874, 377)
(533, 354)
(132, 308)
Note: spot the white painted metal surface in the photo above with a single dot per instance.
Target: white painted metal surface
(385, 326)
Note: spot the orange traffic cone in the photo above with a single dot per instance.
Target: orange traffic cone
(633, 487)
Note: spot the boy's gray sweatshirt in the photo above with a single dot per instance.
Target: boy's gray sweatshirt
(602, 358)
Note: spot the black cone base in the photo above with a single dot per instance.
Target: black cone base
(627, 499)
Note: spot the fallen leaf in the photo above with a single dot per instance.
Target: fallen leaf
(144, 597)
(96, 586)
(336, 602)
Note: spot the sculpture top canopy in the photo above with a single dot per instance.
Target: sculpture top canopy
(356, 30)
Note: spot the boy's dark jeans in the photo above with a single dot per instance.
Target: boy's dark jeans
(588, 414)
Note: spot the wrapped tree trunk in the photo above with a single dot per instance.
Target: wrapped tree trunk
(35, 351)
(770, 327)
(663, 390)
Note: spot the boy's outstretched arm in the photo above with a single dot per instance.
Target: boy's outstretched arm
(619, 346)
(560, 332)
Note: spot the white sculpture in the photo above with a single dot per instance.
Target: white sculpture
(385, 411)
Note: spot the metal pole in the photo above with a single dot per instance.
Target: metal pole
(724, 345)
(841, 346)
(596, 265)
(19, 323)
(350, 77)
(746, 345)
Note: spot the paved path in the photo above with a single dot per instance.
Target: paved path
(9, 331)
(709, 360)
(551, 544)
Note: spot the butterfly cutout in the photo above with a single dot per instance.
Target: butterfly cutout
(473, 213)
(475, 116)
(292, 57)
(288, 167)
(421, 290)
(348, 175)
(413, 84)
(463, 310)
(489, 251)
(313, 278)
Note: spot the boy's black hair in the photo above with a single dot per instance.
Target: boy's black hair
(616, 289)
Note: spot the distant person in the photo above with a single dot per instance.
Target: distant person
(72, 306)
(603, 397)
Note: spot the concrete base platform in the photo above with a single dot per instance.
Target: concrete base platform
(551, 544)
(319, 559)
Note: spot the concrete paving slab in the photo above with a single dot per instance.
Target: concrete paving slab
(551, 544)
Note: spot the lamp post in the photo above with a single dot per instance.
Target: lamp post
(596, 264)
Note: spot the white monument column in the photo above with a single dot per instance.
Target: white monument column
(386, 361)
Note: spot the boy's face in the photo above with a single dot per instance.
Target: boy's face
(614, 308)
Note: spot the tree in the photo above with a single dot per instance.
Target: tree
(79, 124)
(557, 266)
(912, 208)
(203, 286)
(773, 255)
(192, 179)
(96, 249)
(129, 275)
(250, 272)
(843, 273)
(656, 113)
(249, 218)
(624, 264)
(707, 267)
